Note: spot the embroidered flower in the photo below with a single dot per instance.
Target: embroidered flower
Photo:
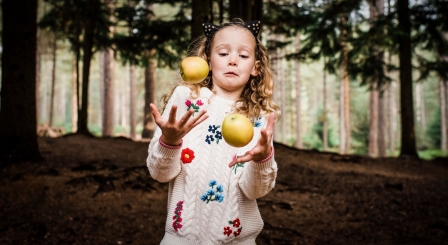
(237, 232)
(258, 122)
(238, 165)
(209, 139)
(217, 134)
(177, 217)
(213, 194)
(195, 106)
(187, 155)
(236, 223)
(227, 231)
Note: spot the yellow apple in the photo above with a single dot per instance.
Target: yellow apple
(237, 130)
(193, 69)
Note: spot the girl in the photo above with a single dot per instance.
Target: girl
(213, 187)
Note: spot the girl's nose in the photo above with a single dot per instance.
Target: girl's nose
(232, 61)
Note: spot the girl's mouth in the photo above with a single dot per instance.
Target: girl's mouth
(230, 74)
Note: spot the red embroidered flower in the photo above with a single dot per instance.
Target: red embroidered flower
(188, 103)
(227, 231)
(199, 103)
(237, 232)
(236, 223)
(187, 155)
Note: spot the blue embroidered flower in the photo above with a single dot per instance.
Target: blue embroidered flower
(212, 183)
(219, 197)
(204, 197)
(219, 188)
(258, 123)
(213, 194)
(209, 139)
(218, 135)
(214, 130)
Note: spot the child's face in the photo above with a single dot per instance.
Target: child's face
(232, 60)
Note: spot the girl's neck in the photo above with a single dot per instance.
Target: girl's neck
(229, 95)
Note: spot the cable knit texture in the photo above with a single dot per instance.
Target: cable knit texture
(208, 202)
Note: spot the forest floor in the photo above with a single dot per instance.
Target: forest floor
(98, 191)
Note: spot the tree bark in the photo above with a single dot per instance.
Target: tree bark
(18, 138)
(345, 83)
(108, 94)
(53, 81)
(200, 14)
(74, 117)
(298, 87)
(408, 147)
(132, 102)
(148, 122)
(382, 124)
(325, 113)
(443, 120)
(247, 10)
(373, 128)
(89, 30)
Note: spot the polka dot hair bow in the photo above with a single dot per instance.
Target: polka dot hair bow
(210, 29)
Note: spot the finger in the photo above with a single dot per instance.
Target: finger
(264, 137)
(155, 113)
(199, 118)
(172, 116)
(270, 126)
(244, 158)
(184, 119)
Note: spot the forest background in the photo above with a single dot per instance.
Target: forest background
(354, 77)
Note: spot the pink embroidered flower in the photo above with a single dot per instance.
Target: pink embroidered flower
(188, 103)
(177, 219)
(227, 231)
(187, 155)
(199, 103)
(236, 223)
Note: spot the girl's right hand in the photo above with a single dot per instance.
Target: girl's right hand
(172, 130)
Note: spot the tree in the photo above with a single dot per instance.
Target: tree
(247, 10)
(18, 139)
(408, 147)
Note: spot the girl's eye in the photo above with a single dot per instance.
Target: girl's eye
(244, 56)
(223, 54)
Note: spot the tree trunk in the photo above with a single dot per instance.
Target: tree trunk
(53, 81)
(443, 116)
(373, 128)
(325, 113)
(342, 145)
(132, 102)
(108, 93)
(148, 122)
(108, 84)
(382, 124)
(247, 10)
(89, 30)
(74, 117)
(38, 69)
(408, 147)
(282, 81)
(200, 14)
(298, 87)
(18, 138)
(345, 84)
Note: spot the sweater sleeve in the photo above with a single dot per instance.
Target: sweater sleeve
(163, 162)
(258, 178)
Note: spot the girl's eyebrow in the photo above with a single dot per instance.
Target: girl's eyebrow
(226, 45)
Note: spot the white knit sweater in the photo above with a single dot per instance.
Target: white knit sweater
(208, 202)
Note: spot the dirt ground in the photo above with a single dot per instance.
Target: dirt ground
(98, 191)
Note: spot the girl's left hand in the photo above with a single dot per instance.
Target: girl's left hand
(263, 148)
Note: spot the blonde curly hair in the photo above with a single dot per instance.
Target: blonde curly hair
(256, 98)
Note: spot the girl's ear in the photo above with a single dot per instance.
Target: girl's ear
(254, 71)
